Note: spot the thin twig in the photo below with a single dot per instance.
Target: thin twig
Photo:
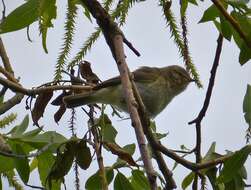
(4, 10)
(98, 149)
(129, 44)
(203, 111)
(23, 156)
(31, 92)
(233, 22)
(187, 164)
(34, 186)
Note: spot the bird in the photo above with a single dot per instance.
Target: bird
(156, 86)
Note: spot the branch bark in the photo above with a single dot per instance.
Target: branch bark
(203, 111)
(114, 38)
(5, 59)
(31, 92)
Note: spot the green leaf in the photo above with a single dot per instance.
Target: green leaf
(45, 163)
(210, 14)
(226, 28)
(233, 165)
(47, 12)
(21, 164)
(235, 184)
(139, 180)
(6, 164)
(109, 133)
(187, 180)
(211, 174)
(183, 7)
(122, 183)
(247, 105)
(20, 129)
(34, 164)
(21, 17)
(83, 155)
(211, 154)
(32, 133)
(129, 148)
(94, 182)
(193, 2)
(245, 23)
(45, 138)
(87, 13)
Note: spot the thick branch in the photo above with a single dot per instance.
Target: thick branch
(233, 22)
(114, 38)
(168, 175)
(5, 106)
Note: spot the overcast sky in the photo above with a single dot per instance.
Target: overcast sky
(224, 122)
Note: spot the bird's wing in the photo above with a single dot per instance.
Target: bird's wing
(143, 74)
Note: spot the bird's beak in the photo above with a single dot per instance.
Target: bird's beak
(192, 80)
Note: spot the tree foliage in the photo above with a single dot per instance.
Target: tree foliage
(53, 155)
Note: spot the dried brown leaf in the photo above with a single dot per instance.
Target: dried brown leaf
(41, 102)
(122, 154)
(58, 115)
(58, 101)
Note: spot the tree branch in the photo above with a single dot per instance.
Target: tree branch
(233, 22)
(114, 38)
(168, 175)
(203, 111)
(5, 59)
(5, 106)
(98, 149)
(31, 92)
(23, 156)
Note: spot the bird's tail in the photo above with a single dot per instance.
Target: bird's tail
(79, 100)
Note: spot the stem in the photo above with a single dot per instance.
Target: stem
(98, 150)
(233, 22)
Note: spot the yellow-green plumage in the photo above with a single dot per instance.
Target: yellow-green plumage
(157, 87)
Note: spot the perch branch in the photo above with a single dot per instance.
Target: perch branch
(114, 38)
(30, 92)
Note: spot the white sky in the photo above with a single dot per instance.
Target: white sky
(224, 122)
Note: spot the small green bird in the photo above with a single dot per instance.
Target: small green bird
(157, 87)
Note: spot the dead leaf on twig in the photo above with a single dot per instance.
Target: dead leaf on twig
(58, 115)
(41, 102)
(121, 153)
